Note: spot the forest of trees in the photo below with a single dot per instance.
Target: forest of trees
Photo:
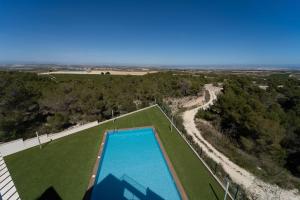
(264, 123)
(46, 103)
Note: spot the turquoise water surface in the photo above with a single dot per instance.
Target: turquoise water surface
(133, 167)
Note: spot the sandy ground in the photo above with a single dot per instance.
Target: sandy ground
(194, 102)
(112, 72)
(186, 102)
(255, 188)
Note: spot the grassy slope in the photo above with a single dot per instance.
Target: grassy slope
(66, 164)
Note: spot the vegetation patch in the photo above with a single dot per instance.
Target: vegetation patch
(259, 128)
(50, 103)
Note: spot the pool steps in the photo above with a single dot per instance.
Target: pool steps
(134, 183)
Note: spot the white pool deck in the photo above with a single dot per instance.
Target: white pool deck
(8, 190)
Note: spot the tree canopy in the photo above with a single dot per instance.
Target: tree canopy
(264, 123)
(47, 103)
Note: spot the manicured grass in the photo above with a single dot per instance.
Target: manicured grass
(66, 164)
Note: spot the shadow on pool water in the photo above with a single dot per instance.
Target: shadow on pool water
(114, 188)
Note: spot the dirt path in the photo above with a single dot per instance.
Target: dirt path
(255, 188)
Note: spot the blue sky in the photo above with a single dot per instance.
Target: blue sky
(183, 32)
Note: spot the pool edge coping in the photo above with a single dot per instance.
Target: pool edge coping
(92, 179)
(176, 179)
(171, 169)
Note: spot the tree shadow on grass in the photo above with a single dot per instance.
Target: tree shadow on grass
(49, 194)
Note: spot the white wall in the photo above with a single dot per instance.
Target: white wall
(20, 144)
(11, 147)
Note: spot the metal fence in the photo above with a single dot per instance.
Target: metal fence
(234, 191)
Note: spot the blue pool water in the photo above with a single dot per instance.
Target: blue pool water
(133, 167)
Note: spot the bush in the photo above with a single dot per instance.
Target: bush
(57, 122)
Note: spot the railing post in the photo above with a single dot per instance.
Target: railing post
(226, 192)
(171, 124)
(236, 192)
(216, 165)
(38, 138)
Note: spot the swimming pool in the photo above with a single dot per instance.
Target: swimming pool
(132, 166)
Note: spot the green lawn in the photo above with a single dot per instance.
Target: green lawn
(66, 164)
